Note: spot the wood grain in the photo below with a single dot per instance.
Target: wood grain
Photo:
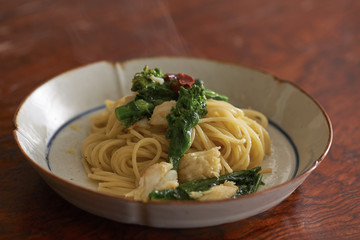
(313, 43)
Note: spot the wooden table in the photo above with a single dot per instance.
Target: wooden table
(315, 44)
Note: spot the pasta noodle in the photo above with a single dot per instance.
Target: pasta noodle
(116, 157)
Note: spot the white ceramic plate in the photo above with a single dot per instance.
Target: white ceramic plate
(53, 121)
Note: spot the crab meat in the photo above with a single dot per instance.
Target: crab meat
(159, 176)
(200, 165)
(160, 112)
(157, 79)
(222, 191)
(143, 123)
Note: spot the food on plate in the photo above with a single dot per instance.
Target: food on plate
(173, 139)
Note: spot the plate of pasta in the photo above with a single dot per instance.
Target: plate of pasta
(172, 142)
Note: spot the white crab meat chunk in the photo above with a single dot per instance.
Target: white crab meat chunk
(157, 79)
(159, 176)
(143, 123)
(222, 191)
(200, 165)
(160, 112)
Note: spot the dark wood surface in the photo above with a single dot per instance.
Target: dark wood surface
(315, 44)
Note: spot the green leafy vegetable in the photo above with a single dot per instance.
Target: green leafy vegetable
(133, 112)
(143, 79)
(150, 94)
(211, 94)
(247, 181)
(170, 194)
(190, 108)
(152, 91)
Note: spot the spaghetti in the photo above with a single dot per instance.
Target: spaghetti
(117, 157)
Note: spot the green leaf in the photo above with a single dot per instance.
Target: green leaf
(133, 112)
(190, 108)
(151, 91)
(217, 96)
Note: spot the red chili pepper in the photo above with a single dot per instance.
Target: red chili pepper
(178, 80)
(185, 80)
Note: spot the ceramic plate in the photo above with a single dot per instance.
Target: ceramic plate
(54, 120)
